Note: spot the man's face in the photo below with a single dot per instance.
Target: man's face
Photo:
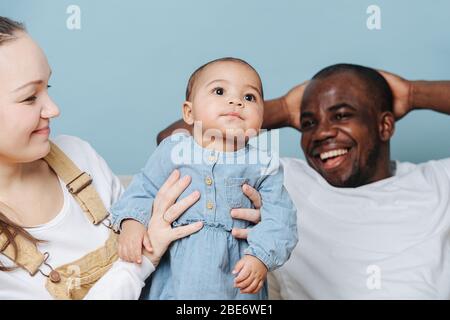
(340, 136)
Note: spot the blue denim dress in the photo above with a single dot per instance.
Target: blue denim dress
(200, 266)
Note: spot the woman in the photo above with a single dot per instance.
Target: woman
(39, 207)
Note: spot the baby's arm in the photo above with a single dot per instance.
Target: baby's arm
(132, 238)
(273, 239)
(251, 274)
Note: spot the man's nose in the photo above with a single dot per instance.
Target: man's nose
(236, 101)
(324, 130)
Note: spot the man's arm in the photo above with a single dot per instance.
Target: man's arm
(413, 95)
(434, 95)
(167, 132)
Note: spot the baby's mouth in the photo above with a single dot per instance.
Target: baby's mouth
(233, 115)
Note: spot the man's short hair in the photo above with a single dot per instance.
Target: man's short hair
(196, 73)
(378, 87)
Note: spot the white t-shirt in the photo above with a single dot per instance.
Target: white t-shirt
(70, 235)
(385, 240)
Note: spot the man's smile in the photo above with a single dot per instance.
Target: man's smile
(330, 158)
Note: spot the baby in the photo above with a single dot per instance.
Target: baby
(224, 102)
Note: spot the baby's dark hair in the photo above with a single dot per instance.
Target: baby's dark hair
(378, 86)
(195, 74)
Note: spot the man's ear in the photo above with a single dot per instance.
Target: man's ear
(187, 113)
(386, 126)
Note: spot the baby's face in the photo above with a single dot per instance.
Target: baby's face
(227, 97)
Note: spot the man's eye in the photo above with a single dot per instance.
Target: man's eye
(307, 124)
(218, 91)
(250, 97)
(342, 116)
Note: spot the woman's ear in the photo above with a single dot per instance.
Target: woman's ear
(386, 126)
(187, 113)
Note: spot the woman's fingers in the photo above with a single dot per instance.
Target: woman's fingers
(253, 195)
(181, 232)
(177, 209)
(251, 215)
(239, 233)
(164, 199)
(146, 243)
(173, 177)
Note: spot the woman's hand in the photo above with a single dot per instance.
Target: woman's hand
(252, 215)
(166, 211)
(402, 93)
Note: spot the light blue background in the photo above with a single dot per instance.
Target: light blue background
(121, 78)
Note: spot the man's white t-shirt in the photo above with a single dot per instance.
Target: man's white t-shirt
(70, 235)
(385, 240)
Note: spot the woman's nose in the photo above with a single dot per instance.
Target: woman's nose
(49, 109)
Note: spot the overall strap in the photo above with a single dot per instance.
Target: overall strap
(28, 256)
(78, 183)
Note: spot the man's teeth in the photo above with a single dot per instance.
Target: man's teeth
(333, 153)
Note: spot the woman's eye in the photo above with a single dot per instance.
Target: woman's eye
(250, 97)
(30, 99)
(218, 91)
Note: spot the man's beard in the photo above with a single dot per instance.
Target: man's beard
(361, 176)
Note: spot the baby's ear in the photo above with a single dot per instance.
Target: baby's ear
(187, 113)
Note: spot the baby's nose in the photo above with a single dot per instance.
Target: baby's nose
(236, 102)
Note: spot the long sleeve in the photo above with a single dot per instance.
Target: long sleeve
(137, 200)
(273, 239)
(124, 281)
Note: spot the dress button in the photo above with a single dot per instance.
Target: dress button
(211, 158)
(208, 181)
(210, 205)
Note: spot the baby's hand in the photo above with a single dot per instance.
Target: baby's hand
(131, 239)
(251, 274)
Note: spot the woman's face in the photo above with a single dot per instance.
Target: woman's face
(25, 106)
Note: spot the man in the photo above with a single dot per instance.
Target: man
(369, 228)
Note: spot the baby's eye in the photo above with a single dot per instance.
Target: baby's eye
(218, 91)
(250, 97)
